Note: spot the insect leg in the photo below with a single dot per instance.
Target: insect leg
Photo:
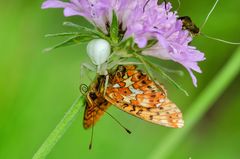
(106, 84)
(84, 67)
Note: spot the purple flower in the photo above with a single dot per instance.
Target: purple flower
(142, 22)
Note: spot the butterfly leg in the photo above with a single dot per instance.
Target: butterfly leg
(106, 84)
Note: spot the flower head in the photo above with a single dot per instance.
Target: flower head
(143, 21)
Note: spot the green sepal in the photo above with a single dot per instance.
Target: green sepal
(72, 41)
(114, 30)
(62, 34)
(87, 30)
(150, 43)
(126, 44)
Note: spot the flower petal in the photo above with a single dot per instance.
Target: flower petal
(54, 4)
(143, 20)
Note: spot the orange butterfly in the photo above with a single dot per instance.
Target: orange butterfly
(134, 92)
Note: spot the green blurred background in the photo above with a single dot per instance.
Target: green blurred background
(37, 88)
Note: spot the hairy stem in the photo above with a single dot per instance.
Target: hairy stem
(60, 129)
(201, 105)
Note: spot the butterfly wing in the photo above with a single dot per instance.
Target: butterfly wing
(95, 107)
(135, 93)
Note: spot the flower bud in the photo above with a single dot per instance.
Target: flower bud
(98, 50)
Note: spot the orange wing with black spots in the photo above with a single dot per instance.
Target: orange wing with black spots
(95, 107)
(135, 93)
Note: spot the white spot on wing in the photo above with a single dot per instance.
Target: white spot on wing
(158, 105)
(161, 100)
(128, 98)
(135, 91)
(128, 82)
(116, 85)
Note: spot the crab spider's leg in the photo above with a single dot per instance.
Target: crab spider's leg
(86, 66)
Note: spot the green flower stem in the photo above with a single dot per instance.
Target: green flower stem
(60, 129)
(201, 105)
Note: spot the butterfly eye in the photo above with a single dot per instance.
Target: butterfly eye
(121, 68)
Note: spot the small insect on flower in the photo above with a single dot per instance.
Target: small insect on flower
(187, 24)
(137, 22)
(134, 92)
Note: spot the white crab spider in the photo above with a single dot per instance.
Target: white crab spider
(99, 51)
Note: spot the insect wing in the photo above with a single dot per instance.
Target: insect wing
(95, 107)
(135, 93)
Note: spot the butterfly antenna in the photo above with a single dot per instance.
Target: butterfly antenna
(128, 131)
(212, 9)
(83, 89)
(91, 140)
